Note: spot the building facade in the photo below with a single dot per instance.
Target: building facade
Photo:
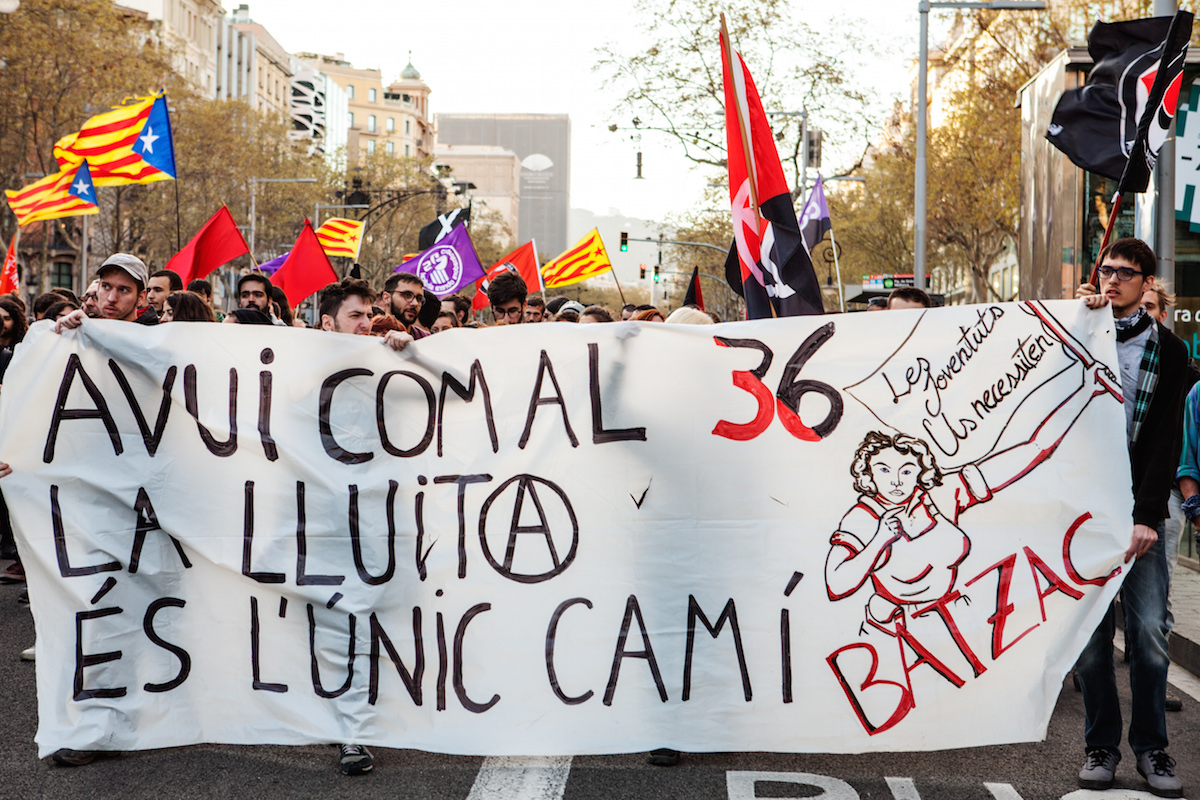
(543, 144)
(495, 173)
(192, 24)
(319, 108)
(392, 119)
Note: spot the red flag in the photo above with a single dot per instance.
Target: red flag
(8, 277)
(523, 261)
(218, 242)
(307, 268)
(776, 275)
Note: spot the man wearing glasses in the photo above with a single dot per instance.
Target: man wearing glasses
(506, 294)
(1154, 365)
(403, 295)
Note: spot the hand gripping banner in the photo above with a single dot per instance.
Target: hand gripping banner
(825, 534)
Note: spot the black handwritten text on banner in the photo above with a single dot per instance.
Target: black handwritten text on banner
(843, 533)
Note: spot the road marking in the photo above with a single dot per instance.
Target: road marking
(1002, 791)
(903, 788)
(520, 778)
(740, 785)
(1110, 794)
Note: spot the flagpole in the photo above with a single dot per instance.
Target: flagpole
(838, 269)
(178, 237)
(83, 253)
(751, 175)
(1108, 229)
(618, 281)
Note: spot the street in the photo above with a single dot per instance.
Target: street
(1040, 771)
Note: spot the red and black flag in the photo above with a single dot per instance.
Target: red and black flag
(769, 265)
(1115, 124)
(440, 228)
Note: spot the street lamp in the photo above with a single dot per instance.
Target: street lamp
(923, 8)
(253, 196)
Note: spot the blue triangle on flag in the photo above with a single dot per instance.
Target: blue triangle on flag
(81, 185)
(154, 142)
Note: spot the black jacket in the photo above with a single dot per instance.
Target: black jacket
(1155, 454)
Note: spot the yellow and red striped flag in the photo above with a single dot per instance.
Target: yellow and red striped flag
(587, 259)
(340, 238)
(70, 193)
(130, 144)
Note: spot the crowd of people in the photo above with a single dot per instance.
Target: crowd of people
(1156, 375)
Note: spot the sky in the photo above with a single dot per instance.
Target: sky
(536, 56)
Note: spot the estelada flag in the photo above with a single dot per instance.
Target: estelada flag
(8, 275)
(306, 269)
(773, 271)
(69, 193)
(522, 261)
(341, 238)
(218, 242)
(586, 259)
(1115, 124)
(130, 144)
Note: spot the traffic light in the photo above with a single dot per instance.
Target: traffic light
(656, 272)
(814, 149)
(625, 243)
(642, 272)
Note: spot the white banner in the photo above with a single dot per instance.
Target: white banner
(836, 534)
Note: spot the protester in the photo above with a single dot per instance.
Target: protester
(648, 314)
(459, 305)
(444, 322)
(553, 305)
(535, 308)
(247, 316)
(1157, 300)
(204, 289)
(91, 305)
(627, 311)
(254, 291)
(60, 310)
(686, 315)
(909, 297)
(506, 295)
(877, 304)
(283, 310)
(1153, 364)
(187, 307)
(345, 307)
(406, 295)
(42, 303)
(15, 325)
(161, 284)
(595, 314)
(121, 293)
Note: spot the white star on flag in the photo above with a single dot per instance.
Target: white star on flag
(149, 139)
(81, 187)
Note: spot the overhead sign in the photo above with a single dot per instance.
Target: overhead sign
(767, 536)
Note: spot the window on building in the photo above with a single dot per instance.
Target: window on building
(391, 124)
(350, 119)
(371, 123)
(371, 146)
(370, 95)
(391, 148)
(406, 150)
(61, 277)
(407, 127)
(406, 98)
(350, 90)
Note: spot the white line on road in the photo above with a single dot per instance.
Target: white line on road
(519, 778)
(903, 788)
(1002, 791)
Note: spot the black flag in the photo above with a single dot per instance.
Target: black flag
(694, 296)
(433, 233)
(1116, 123)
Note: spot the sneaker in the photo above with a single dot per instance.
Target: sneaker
(28, 654)
(1173, 703)
(1100, 769)
(664, 757)
(1158, 769)
(13, 573)
(73, 758)
(23, 598)
(354, 759)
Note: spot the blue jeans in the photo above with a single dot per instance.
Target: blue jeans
(1144, 601)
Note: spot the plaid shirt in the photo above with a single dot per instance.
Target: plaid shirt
(1147, 380)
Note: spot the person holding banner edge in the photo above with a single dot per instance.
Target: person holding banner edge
(1154, 367)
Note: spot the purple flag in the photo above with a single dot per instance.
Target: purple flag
(448, 266)
(274, 264)
(814, 216)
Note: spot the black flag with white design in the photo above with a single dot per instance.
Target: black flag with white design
(1115, 124)
(437, 230)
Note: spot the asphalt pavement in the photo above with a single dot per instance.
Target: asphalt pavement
(1038, 771)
